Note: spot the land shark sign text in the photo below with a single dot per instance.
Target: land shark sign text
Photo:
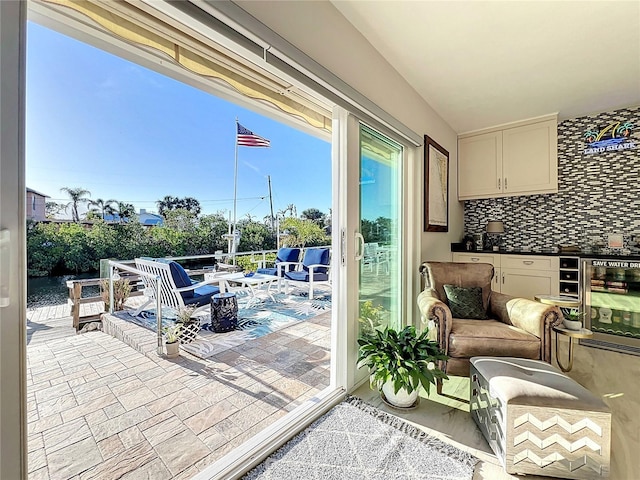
(613, 137)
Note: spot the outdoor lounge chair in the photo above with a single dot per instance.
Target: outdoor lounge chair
(286, 260)
(177, 289)
(314, 269)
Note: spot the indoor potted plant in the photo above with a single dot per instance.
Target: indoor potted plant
(172, 339)
(400, 362)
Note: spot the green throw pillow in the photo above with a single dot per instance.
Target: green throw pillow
(465, 302)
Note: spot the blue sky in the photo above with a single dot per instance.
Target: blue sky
(124, 132)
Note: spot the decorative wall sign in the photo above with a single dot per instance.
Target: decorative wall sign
(613, 137)
(436, 187)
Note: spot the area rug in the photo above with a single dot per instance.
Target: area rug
(355, 440)
(257, 316)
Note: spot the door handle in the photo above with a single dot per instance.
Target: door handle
(359, 245)
(5, 274)
(343, 246)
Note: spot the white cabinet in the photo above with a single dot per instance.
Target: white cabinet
(529, 275)
(519, 275)
(515, 159)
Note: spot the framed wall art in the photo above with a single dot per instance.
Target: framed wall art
(436, 187)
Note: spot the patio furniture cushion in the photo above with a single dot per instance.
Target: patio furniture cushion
(315, 256)
(290, 255)
(304, 276)
(201, 295)
(180, 277)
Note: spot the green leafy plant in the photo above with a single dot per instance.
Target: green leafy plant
(184, 314)
(404, 357)
(371, 317)
(574, 315)
(172, 333)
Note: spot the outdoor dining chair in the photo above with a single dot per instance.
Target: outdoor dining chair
(313, 270)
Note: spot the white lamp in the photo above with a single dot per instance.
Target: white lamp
(495, 227)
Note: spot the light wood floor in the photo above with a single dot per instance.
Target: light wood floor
(448, 419)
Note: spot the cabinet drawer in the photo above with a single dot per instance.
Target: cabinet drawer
(476, 258)
(530, 262)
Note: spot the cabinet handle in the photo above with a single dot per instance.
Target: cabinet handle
(503, 278)
(505, 183)
(475, 259)
(498, 184)
(528, 262)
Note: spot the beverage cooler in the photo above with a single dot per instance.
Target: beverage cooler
(611, 302)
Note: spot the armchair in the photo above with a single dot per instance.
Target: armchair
(516, 327)
(286, 260)
(314, 269)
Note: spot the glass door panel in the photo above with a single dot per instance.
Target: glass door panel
(380, 223)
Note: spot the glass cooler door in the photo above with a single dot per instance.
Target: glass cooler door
(612, 304)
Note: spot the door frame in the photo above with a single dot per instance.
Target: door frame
(13, 362)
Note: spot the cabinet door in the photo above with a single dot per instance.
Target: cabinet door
(480, 166)
(530, 158)
(528, 283)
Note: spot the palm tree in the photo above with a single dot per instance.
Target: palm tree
(625, 129)
(105, 207)
(77, 196)
(125, 211)
(591, 135)
(291, 208)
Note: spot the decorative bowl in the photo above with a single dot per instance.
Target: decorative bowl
(572, 324)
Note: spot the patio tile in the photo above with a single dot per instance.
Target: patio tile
(131, 436)
(66, 434)
(240, 399)
(40, 474)
(164, 430)
(125, 385)
(154, 420)
(154, 470)
(189, 408)
(37, 459)
(114, 410)
(89, 406)
(212, 438)
(210, 416)
(181, 451)
(74, 459)
(110, 446)
(170, 401)
(92, 395)
(51, 393)
(44, 424)
(136, 398)
(125, 462)
(120, 423)
(35, 442)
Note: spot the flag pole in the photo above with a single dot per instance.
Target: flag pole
(235, 196)
(270, 201)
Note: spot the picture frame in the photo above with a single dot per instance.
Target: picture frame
(436, 187)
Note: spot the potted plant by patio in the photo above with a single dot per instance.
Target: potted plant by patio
(190, 326)
(400, 362)
(172, 339)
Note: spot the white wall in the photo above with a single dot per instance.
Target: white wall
(319, 30)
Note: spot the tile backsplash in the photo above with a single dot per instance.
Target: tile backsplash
(598, 194)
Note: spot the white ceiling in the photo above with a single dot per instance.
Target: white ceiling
(483, 63)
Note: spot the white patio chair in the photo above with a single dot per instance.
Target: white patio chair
(315, 269)
(177, 289)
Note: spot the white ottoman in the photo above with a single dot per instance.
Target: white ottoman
(539, 421)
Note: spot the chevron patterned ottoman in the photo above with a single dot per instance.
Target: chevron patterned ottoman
(539, 421)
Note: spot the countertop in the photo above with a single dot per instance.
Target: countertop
(633, 255)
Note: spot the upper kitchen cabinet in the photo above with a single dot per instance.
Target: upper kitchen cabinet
(516, 159)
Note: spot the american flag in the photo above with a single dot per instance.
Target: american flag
(246, 138)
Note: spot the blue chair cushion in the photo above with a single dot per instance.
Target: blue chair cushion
(315, 256)
(180, 277)
(267, 271)
(202, 295)
(288, 255)
(304, 276)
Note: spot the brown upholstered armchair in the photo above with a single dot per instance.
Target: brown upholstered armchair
(517, 327)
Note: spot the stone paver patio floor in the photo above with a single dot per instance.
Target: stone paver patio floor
(99, 409)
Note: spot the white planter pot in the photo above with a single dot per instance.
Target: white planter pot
(173, 349)
(402, 399)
